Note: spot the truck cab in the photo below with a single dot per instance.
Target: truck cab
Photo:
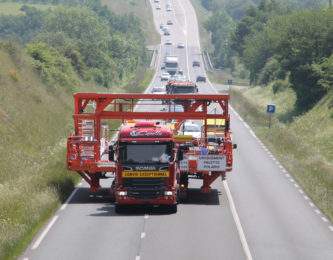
(145, 157)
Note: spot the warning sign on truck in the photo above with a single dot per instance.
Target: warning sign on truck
(211, 163)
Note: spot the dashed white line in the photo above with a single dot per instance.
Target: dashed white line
(46, 230)
(311, 204)
(137, 257)
(146, 216)
(300, 191)
(324, 219)
(331, 228)
(284, 171)
(246, 125)
(143, 235)
(291, 180)
(287, 175)
(237, 222)
(318, 211)
(296, 185)
(252, 133)
(306, 197)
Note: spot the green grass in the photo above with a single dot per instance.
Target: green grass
(304, 149)
(35, 121)
(14, 8)
(141, 9)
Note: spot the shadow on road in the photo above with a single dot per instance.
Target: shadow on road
(107, 208)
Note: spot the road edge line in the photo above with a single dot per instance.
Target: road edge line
(237, 222)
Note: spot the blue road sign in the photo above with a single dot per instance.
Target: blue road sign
(229, 81)
(270, 109)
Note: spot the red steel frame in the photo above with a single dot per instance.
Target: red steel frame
(121, 106)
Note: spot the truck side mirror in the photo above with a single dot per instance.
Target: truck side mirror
(111, 153)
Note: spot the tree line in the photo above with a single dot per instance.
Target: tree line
(279, 44)
(81, 37)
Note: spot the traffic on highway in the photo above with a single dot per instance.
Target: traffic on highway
(257, 211)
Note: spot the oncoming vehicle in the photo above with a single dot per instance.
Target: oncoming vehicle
(158, 90)
(181, 45)
(189, 128)
(169, 22)
(201, 78)
(165, 76)
(196, 63)
(168, 42)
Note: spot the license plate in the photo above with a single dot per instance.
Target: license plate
(142, 174)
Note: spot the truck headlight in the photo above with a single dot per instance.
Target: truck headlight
(122, 193)
(169, 193)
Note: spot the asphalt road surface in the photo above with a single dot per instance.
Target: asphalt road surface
(260, 212)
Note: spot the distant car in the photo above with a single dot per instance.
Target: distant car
(169, 22)
(161, 26)
(196, 63)
(169, 9)
(181, 45)
(189, 128)
(165, 76)
(166, 32)
(158, 7)
(168, 42)
(201, 78)
(162, 66)
(180, 71)
(158, 90)
(164, 28)
(156, 1)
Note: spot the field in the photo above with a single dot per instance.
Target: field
(14, 8)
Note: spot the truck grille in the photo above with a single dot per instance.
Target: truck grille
(145, 188)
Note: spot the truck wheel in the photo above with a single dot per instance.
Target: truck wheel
(173, 209)
(119, 208)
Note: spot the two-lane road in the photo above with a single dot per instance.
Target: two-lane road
(275, 220)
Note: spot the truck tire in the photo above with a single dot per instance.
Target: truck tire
(173, 209)
(119, 209)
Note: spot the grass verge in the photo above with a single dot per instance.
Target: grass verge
(303, 160)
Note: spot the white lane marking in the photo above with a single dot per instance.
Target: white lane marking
(331, 228)
(237, 222)
(324, 219)
(252, 133)
(137, 257)
(317, 211)
(296, 185)
(246, 125)
(146, 216)
(311, 204)
(46, 230)
(306, 197)
(69, 199)
(300, 191)
(283, 170)
(287, 175)
(143, 235)
(26, 258)
(291, 180)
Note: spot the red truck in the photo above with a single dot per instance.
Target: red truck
(151, 163)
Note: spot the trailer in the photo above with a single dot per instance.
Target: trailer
(150, 162)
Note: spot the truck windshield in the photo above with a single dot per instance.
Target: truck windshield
(145, 153)
(183, 90)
